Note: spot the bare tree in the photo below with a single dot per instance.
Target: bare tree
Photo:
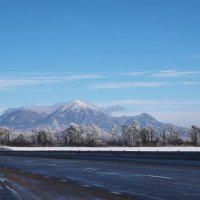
(174, 137)
(164, 137)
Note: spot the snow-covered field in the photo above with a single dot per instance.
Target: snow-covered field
(196, 149)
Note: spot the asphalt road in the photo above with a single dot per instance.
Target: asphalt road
(43, 178)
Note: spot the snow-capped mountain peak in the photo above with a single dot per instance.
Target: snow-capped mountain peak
(76, 105)
(81, 104)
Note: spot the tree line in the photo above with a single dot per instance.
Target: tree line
(91, 135)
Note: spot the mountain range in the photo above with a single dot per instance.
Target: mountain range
(60, 116)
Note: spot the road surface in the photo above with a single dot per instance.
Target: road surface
(43, 178)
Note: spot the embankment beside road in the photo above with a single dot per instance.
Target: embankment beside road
(126, 156)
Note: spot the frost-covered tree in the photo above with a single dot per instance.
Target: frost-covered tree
(72, 135)
(144, 136)
(131, 135)
(5, 136)
(93, 136)
(135, 133)
(194, 135)
(125, 134)
(45, 137)
(20, 139)
(151, 135)
(113, 136)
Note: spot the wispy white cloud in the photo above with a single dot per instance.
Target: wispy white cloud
(136, 73)
(174, 73)
(36, 90)
(151, 102)
(83, 77)
(121, 85)
(163, 73)
(190, 83)
(8, 81)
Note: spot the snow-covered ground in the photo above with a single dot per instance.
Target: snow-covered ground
(196, 149)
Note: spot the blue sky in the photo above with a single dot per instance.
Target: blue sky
(143, 55)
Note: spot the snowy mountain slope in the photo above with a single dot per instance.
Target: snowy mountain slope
(21, 119)
(38, 109)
